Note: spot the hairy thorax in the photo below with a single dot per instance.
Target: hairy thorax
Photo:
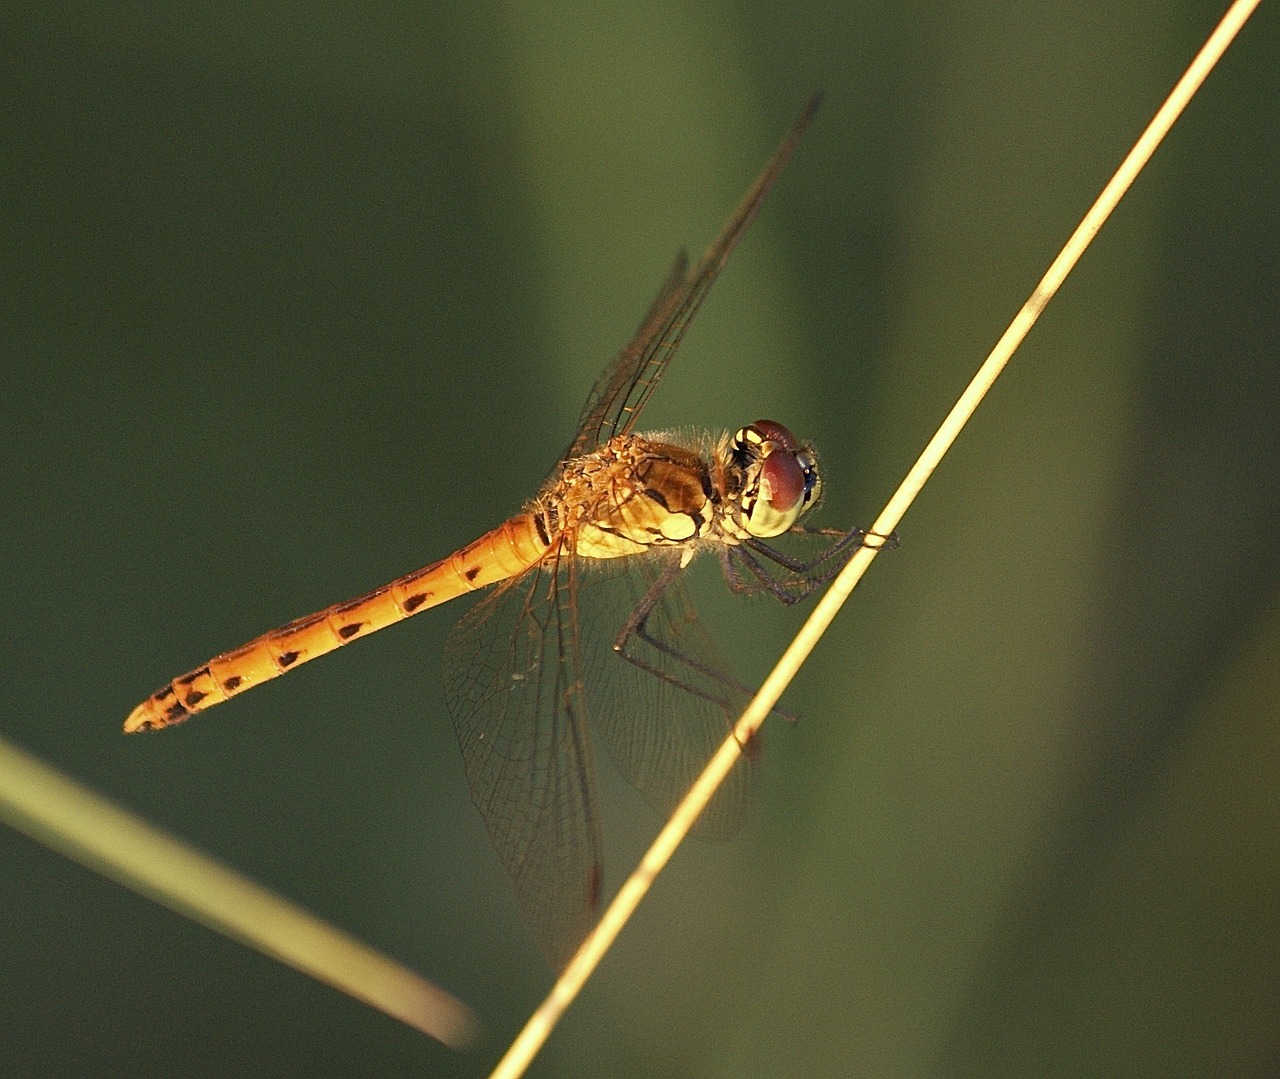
(637, 492)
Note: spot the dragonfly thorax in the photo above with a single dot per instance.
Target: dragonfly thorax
(632, 494)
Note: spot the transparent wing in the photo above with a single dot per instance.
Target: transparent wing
(618, 382)
(521, 679)
(514, 691)
(621, 392)
(663, 711)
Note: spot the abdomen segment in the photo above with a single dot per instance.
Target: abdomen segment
(509, 549)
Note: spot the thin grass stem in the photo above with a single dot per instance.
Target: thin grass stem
(580, 968)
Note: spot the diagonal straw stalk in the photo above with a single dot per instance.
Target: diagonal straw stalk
(574, 976)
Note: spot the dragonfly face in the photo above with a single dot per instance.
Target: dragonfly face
(779, 479)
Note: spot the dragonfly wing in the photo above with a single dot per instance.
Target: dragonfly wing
(621, 392)
(617, 382)
(514, 692)
(663, 716)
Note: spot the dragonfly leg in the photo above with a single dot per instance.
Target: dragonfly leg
(698, 679)
(802, 576)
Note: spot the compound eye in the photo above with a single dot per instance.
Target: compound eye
(773, 431)
(780, 478)
(783, 482)
(784, 490)
(761, 437)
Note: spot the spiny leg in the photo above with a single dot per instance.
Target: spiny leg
(805, 575)
(637, 628)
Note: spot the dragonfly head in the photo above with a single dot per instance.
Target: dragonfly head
(779, 478)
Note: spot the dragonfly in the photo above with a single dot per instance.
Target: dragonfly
(589, 614)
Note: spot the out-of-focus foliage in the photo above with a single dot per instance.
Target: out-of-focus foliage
(298, 299)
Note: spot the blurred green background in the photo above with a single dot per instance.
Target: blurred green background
(298, 298)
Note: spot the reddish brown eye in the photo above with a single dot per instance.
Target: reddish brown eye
(779, 478)
(773, 431)
(782, 481)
